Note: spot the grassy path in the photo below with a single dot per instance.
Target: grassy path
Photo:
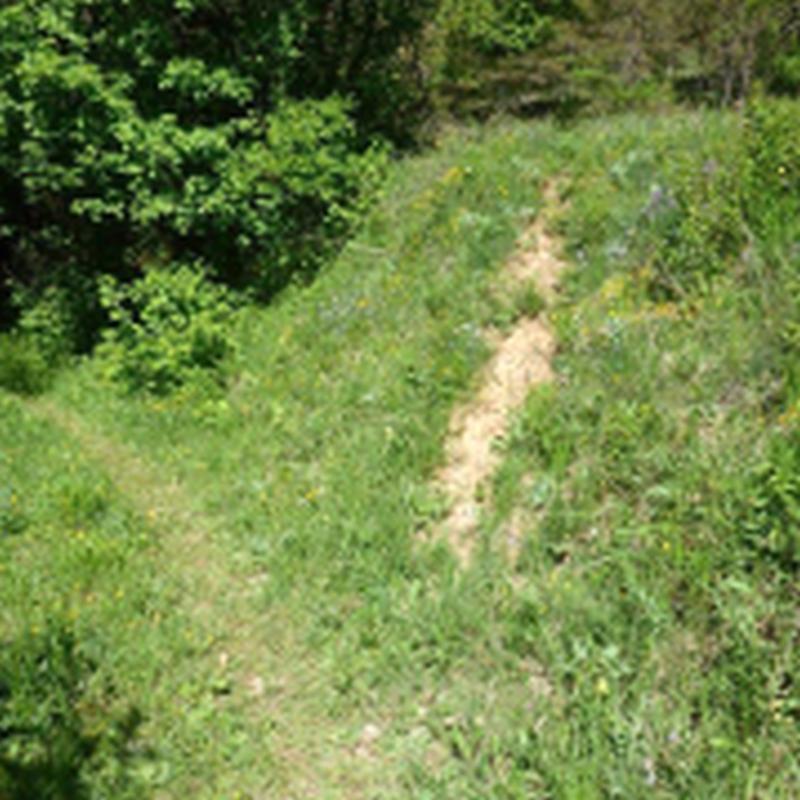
(333, 641)
(268, 690)
(643, 643)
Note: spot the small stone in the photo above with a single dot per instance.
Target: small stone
(370, 734)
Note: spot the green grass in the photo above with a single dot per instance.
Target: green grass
(78, 585)
(644, 645)
(660, 593)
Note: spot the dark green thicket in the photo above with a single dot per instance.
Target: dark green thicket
(233, 135)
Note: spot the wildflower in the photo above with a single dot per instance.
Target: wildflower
(789, 417)
(613, 288)
(602, 688)
(665, 311)
(453, 175)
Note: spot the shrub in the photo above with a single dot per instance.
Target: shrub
(23, 367)
(718, 203)
(773, 519)
(272, 208)
(166, 328)
(695, 229)
(190, 129)
(13, 519)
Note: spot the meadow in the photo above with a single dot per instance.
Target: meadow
(221, 590)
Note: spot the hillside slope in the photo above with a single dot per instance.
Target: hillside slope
(303, 641)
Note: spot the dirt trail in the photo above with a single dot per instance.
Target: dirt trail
(522, 360)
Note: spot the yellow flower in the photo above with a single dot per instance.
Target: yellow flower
(602, 688)
(453, 175)
(788, 418)
(613, 288)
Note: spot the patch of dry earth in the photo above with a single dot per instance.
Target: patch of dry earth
(522, 360)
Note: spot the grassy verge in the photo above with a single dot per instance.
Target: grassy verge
(314, 468)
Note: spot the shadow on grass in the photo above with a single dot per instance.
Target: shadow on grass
(60, 724)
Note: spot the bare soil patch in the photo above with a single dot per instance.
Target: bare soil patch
(522, 360)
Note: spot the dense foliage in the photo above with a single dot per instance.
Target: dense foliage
(135, 134)
(164, 329)
(568, 55)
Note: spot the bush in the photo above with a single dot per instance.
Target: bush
(720, 202)
(13, 519)
(166, 328)
(273, 207)
(710, 230)
(773, 518)
(138, 134)
(23, 367)
(693, 227)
